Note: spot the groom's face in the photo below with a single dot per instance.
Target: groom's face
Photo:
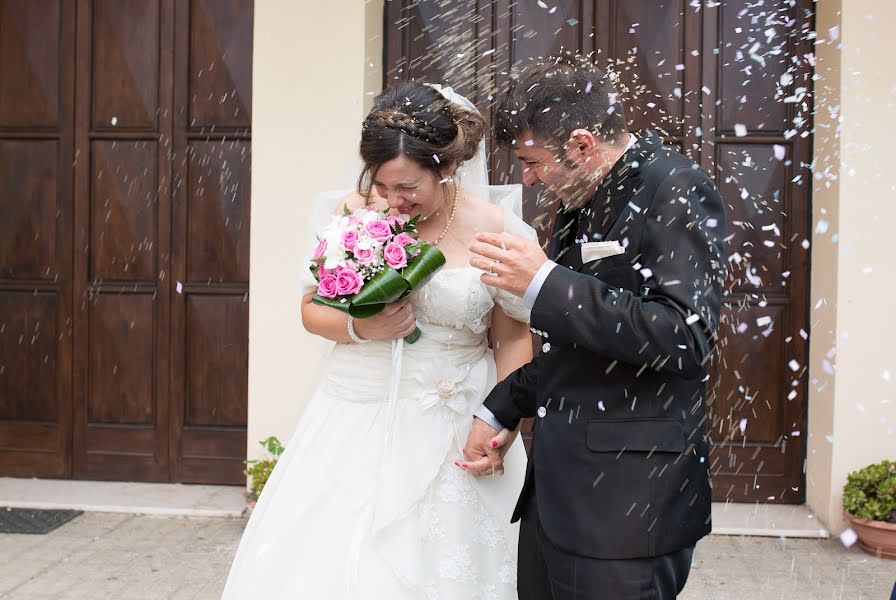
(545, 163)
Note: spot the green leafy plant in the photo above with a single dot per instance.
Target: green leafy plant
(260, 470)
(870, 493)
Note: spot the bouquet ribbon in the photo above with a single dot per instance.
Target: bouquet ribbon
(389, 285)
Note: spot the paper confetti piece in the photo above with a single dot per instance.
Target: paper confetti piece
(848, 537)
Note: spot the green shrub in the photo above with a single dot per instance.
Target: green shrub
(870, 493)
(260, 470)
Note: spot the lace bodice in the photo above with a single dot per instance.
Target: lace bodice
(456, 298)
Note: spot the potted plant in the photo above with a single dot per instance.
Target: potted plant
(869, 500)
(260, 470)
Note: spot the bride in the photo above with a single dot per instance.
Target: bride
(366, 502)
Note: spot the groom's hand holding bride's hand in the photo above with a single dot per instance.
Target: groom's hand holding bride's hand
(485, 449)
(510, 262)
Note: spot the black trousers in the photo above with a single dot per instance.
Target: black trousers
(548, 573)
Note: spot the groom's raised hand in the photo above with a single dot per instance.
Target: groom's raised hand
(485, 449)
(510, 262)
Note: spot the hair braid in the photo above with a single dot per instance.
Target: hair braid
(404, 122)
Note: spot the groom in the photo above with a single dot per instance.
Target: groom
(617, 491)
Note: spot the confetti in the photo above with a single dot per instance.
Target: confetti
(848, 537)
(740, 130)
(179, 287)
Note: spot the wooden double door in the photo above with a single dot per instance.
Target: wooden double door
(124, 238)
(729, 84)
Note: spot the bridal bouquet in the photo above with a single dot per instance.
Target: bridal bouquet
(366, 259)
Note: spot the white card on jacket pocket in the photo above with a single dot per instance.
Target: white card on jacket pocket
(597, 250)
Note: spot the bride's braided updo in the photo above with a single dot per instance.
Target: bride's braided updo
(414, 120)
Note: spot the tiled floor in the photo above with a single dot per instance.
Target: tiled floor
(120, 556)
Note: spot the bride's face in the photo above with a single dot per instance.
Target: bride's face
(408, 188)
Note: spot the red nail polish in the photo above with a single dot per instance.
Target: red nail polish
(494, 444)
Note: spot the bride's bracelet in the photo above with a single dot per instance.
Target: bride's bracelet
(353, 334)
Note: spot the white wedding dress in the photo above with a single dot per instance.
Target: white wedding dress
(366, 502)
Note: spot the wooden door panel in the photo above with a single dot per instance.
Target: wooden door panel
(218, 212)
(121, 381)
(216, 367)
(28, 356)
(750, 377)
(37, 68)
(29, 202)
(754, 57)
(30, 63)
(752, 182)
(536, 31)
(124, 211)
(118, 290)
(220, 76)
(647, 51)
(210, 249)
(757, 164)
(216, 360)
(121, 325)
(125, 69)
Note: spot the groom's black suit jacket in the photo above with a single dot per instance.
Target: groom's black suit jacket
(620, 458)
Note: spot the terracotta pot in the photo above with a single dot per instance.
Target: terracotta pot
(875, 537)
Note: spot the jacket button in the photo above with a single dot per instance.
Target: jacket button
(542, 411)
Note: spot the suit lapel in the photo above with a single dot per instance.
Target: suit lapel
(616, 190)
(564, 233)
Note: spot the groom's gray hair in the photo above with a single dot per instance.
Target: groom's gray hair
(554, 96)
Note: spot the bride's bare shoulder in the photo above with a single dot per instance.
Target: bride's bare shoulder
(484, 215)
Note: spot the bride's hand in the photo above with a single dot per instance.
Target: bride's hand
(395, 321)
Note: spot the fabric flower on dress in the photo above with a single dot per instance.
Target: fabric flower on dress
(445, 387)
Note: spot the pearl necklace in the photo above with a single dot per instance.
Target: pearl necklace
(442, 235)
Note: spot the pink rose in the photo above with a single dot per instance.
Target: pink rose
(364, 254)
(327, 287)
(354, 220)
(321, 248)
(378, 230)
(348, 282)
(322, 272)
(350, 239)
(398, 221)
(404, 239)
(395, 255)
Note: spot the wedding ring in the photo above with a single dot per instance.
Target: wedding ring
(491, 268)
